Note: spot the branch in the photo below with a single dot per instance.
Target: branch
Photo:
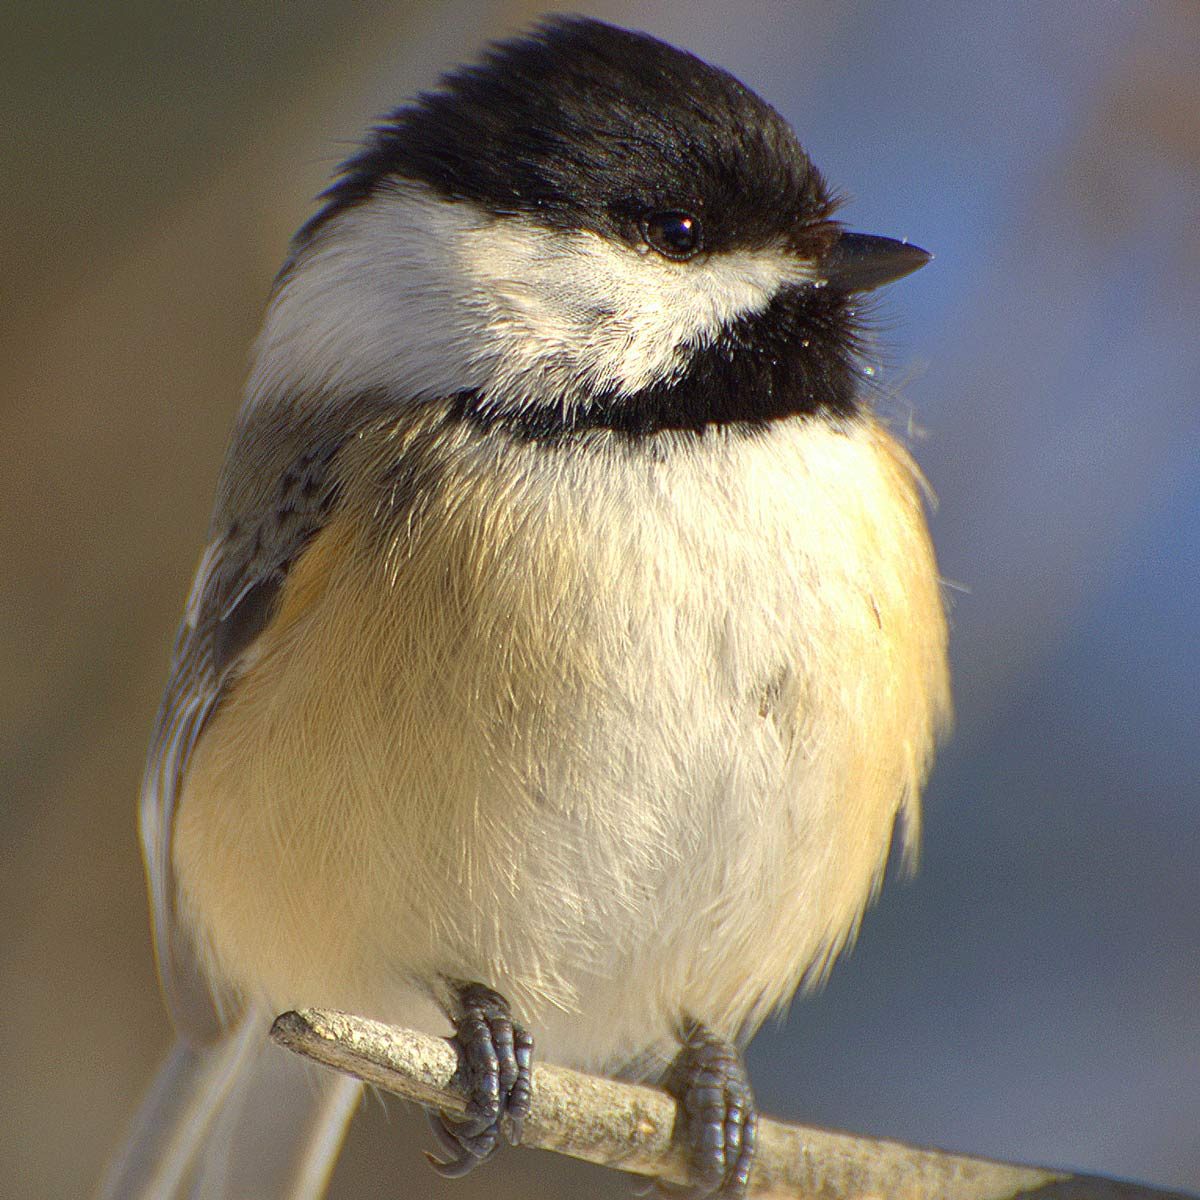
(629, 1127)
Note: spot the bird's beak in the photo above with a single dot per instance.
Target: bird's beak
(861, 262)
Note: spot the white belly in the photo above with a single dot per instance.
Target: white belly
(622, 738)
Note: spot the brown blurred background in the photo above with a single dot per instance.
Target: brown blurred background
(1035, 993)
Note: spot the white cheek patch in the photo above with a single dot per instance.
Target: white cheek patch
(424, 297)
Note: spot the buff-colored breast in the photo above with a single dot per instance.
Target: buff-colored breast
(621, 734)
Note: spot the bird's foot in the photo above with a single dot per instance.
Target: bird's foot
(716, 1122)
(494, 1073)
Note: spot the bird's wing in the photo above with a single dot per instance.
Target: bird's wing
(234, 595)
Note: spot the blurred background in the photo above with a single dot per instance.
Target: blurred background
(1035, 993)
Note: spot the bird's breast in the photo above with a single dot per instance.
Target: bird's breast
(616, 724)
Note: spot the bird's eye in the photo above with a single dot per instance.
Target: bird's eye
(674, 234)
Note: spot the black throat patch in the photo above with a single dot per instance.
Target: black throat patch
(798, 357)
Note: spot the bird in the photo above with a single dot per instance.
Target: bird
(568, 649)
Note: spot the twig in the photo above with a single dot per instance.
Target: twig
(629, 1127)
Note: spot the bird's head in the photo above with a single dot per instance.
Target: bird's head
(587, 228)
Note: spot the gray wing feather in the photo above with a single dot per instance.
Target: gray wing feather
(191, 696)
(258, 535)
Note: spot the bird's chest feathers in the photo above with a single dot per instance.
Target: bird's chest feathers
(611, 608)
(572, 683)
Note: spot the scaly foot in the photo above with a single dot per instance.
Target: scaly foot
(494, 1072)
(717, 1123)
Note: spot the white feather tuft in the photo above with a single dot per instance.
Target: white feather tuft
(422, 297)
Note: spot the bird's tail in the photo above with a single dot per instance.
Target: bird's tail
(240, 1119)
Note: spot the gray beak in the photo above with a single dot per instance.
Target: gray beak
(861, 262)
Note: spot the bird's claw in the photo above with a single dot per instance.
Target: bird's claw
(495, 1057)
(717, 1123)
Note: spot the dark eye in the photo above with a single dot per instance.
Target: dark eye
(673, 234)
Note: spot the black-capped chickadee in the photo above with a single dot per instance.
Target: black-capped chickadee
(569, 638)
